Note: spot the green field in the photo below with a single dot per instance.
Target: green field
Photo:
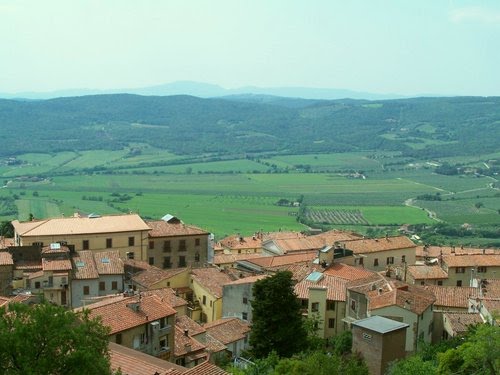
(239, 195)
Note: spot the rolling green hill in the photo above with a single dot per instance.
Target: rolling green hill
(186, 125)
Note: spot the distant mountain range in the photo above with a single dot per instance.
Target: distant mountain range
(206, 90)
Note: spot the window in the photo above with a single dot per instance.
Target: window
(375, 262)
(86, 290)
(331, 323)
(163, 322)
(196, 242)
(37, 284)
(244, 316)
(38, 244)
(204, 299)
(440, 282)
(163, 344)
(353, 305)
(360, 261)
(197, 257)
(481, 269)
(245, 300)
(330, 305)
(182, 261)
(459, 282)
(118, 338)
(390, 260)
(102, 285)
(131, 241)
(130, 255)
(166, 262)
(114, 285)
(109, 243)
(210, 303)
(166, 247)
(182, 245)
(151, 245)
(403, 259)
(151, 261)
(315, 306)
(85, 245)
(460, 270)
(422, 283)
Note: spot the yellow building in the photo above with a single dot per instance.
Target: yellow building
(126, 233)
(463, 269)
(207, 284)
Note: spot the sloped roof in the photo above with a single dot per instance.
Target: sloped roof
(460, 321)
(236, 242)
(334, 235)
(474, 260)
(372, 245)
(435, 251)
(335, 287)
(185, 344)
(89, 265)
(167, 295)
(347, 272)
(134, 362)
(109, 262)
(247, 280)
(425, 272)
(299, 270)
(227, 330)
(153, 275)
(211, 279)
(119, 317)
(6, 259)
(233, 258)
(162, 228)
(84, 266)
(81, 225)
(206, 368)
(185, 322)
(280, 260)
(453, 296)
(56, 264)
(214, 345)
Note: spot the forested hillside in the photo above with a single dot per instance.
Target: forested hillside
(420, 127)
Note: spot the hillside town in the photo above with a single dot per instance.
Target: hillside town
(178, 301)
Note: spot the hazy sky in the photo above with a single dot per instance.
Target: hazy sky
(381, 46)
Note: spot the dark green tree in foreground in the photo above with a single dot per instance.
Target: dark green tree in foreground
(277, 321)
(47, 339)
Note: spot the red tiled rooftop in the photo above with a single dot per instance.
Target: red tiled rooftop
(425, 272)
(162, 228)
(452, 296)
(247, 280)
(211, 279)
(166, 295)
(184, 322)
(371, 245)
(56, 265)
(185, 344)
(84, 266)
(120, 317)
(335, 287)
(347, 272)
(227, 330)
(436, 251)
(6, 259)
(460, 321)
(240, 243)
(474, 260)
(281, 260)
(206, 368)
(233, 258)
(153, 275)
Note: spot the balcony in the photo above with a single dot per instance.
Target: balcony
(164, 330)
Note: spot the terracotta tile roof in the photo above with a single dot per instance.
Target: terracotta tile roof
(56, 265)
(382, 292)
(167, 295)
(332, 236)
(372, 245)
(153, 275)
(492, 304)
(213, 345)
(206, 368)
(472, 260)
(491, 288)
(281, 260)
(6, 259)
(293, 245)
(336, 288)
(185, 344)
(347, 272)
(4, 301)
(282, 235)
(452, 296)
(54, 249)
(134, 362)
(28, 265)
(6, 242)
(233, 258)
(81, 225)
(185, 322)
(109, 262)
(35, 275)
(227, 330)
(211, 279)
(119, 317)
(239, 243)
(84, 266)
(435, 251)
(299, 270)
(247, 280)
(162, 228)
(134, 265)
(425, 272)
(460, 321)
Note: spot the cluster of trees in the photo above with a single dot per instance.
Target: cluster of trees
(46, 339)
(477, 352)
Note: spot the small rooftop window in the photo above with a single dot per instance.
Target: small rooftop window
(105, 260)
